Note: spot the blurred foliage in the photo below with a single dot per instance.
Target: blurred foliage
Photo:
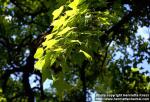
(82, 45)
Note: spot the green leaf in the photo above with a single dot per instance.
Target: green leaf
(59, 23)
(132, 84)
(61, 85)
(77, 58)
(64, 31)
(54, 78)
(71, 12)
(86, 55)
(39, 64)
(57, 12)
(59, 49)
(76, 41)
(1, 90)
(50, 43)
(39, 53)
(75, 3)
(135, 69)
(46, 73)
(52, 58)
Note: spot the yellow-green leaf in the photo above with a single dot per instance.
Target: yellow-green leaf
(54, 77)
(71, 12)
(59, 49)
(135, 69)
(58, 23)
(75, 3)
(50, 36)
(39, 64)
(39, 53)
(57, 12)
(64, 31)
(76, 41)
(53, 57)
(132, 84)
(50, 43)
(86, 55)
(1, 90)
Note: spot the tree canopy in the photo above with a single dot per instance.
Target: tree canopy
(74, 43)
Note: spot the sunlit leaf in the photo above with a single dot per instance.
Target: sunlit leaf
(50, 36)
(52, 57)
(135, 69)
(59, 49)
(39, 64)
(58, 23)
(1, 90)
(71, 12)
(65, 30)
(39, 53)
(57, 12)
(75, 3)
(86, 55)
(50, 43)
(76, 41)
